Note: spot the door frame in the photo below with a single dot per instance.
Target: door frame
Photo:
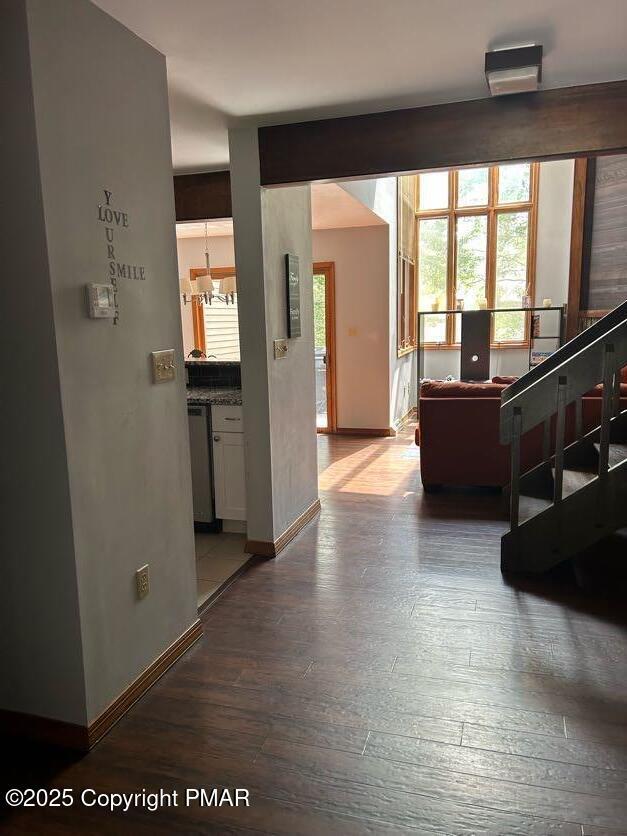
(327, 269)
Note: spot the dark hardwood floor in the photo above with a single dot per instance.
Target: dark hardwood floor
(379, 677)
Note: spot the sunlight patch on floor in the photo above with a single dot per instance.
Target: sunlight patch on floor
(374, 470)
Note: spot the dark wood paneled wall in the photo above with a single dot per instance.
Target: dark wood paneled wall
(605, 276)
(202, 197)
(580, 237)
(551, 124)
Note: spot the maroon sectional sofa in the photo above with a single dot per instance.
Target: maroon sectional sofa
(458, 432)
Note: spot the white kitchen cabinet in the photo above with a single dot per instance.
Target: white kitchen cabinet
(229, 475)
(227, 418)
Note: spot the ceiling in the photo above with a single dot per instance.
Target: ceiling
(331, 208)
(288, 60)
(215, 229)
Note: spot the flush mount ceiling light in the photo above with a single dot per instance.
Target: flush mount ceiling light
(515, 70)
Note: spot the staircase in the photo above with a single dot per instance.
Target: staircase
(577, 495)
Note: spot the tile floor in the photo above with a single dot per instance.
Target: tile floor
(218, 556)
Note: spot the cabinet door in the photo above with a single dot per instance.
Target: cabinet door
(229, 475)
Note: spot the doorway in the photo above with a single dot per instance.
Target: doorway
(324, 345)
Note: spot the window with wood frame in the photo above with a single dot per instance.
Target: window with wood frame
(406, 266)
(475, 241)
(216, 326)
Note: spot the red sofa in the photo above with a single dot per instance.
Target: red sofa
(458, 432)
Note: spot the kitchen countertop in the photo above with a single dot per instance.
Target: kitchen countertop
(214, 395)
(205, 362)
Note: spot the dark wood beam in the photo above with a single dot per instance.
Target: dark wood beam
(588, 221)
(202, 197)
(577, 236)
(550, 124)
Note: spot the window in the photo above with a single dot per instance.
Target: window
(474, 241)
(216, 327)
(406, 270)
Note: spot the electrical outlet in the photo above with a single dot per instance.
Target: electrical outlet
(142, 581)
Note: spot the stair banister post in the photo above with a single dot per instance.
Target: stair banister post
(578, 418)
(546, 440)
(617, 381)
(606, 410)
(515, 468)
(559, 439)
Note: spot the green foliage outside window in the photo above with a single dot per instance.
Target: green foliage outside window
(319, 308)
(511, 274)
(472, 246)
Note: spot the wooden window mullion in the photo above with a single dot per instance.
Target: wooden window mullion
(450, 278)
(492, 211)
(532, 236)
(450, 258)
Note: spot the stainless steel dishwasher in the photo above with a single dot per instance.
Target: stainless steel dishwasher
(199, 418)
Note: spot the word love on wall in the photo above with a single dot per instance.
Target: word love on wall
(115, 219)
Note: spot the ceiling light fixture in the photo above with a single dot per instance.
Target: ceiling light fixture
(514, 70)
(207, 288)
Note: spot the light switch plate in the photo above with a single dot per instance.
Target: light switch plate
(280, 349)
(142, 581)
(162, 365)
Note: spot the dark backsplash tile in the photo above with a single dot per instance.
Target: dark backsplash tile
(214, 373)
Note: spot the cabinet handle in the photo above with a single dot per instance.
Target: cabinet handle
(216, 438)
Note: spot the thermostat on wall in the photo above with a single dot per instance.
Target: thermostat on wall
(100, 300)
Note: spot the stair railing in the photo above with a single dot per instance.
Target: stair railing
(541, 394)
(569, 349)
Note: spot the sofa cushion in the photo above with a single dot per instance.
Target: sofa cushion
(593, 393)
(597, 391)
(460, 389)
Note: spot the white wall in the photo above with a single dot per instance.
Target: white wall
(360, 255)
(40, 632)
(126, 451)
(380, 195)
(278, 395)
(554, 221)
(555, 199)
(286, 215)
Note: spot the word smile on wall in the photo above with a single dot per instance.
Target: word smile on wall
(115, 219)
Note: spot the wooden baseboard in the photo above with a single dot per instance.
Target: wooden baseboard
(83, 738)
(228, 583)
(375, 432)
(265, 548)
(409, 416)
(110, 716)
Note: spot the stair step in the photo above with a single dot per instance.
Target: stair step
(531, 506)
(617, 453)
(572, 480)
